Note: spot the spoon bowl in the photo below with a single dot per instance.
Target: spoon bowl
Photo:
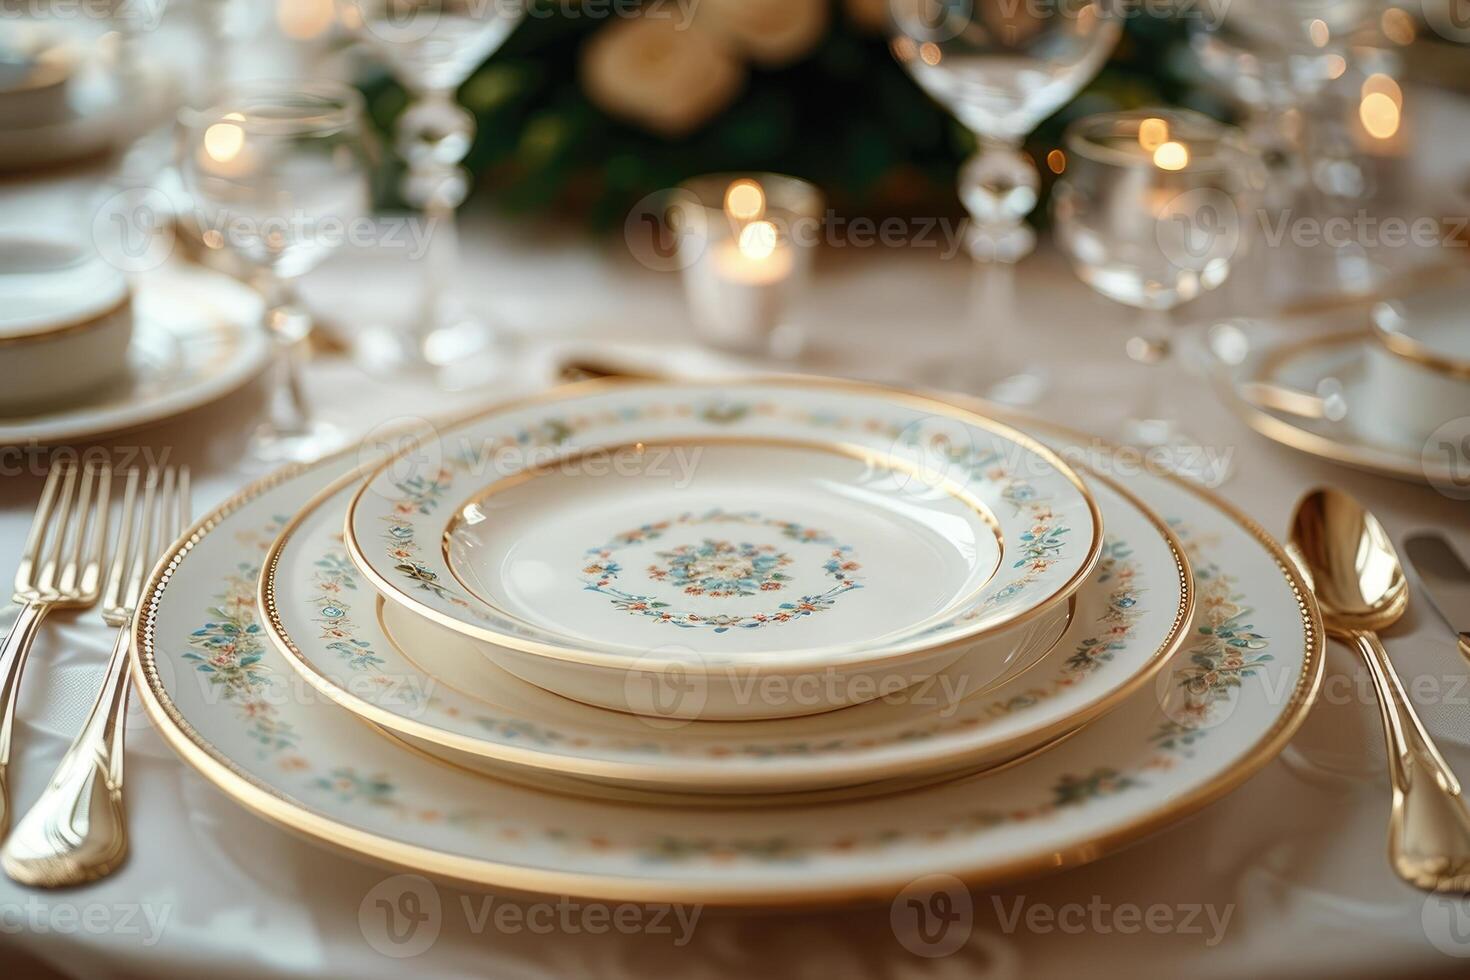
(1347, 555)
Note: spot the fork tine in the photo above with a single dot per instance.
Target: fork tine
(31, 552)
(144, 538)
(181, 514)
(71, 567)
(118, 570)
(46, 582)
(97, 543)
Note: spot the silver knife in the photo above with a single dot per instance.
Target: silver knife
(1445, 578)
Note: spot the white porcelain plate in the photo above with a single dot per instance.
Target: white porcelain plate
(233, 707)
(779, 522)
(435, 688)
(196, 338)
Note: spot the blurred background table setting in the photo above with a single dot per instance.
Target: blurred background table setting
(393, 387)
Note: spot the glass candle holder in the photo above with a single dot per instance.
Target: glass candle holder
(745, 244)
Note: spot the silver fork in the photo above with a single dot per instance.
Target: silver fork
(77, 831)
(60, 568)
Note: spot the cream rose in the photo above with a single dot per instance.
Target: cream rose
(770, 32)
(650, 71)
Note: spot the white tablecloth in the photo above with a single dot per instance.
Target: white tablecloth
(1294, 859)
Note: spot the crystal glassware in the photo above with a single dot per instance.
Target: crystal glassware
(277, 173)
(1154, 208)
(1001, 68)
(431, 47)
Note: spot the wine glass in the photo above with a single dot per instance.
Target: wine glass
(432, 46)
(1283, 60)
(277, 173)
(1001, 67)
(1153, 210)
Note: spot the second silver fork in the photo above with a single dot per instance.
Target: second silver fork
(77, 829)
(60, 568)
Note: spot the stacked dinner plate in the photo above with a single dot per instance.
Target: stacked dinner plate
(768, 641)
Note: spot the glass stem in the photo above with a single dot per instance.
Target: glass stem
(436, 287)
(290, 410)
(995, 314)
(1152, 346)
(434, 136)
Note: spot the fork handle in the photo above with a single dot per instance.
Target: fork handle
(77, 831)
(12, 663)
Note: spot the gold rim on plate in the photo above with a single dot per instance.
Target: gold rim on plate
(91, 321)
(1411, 349)
(280, 809)
(618, 661)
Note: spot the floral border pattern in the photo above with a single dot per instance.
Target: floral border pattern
(603, 570)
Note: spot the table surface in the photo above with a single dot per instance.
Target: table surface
(1295, 858)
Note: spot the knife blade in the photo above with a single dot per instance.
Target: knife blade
(1445, 577)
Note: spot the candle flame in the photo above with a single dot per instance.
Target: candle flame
(223, 141)
(1153, 132)
(744, 200)
(1171, 156)
(1380, 115)
(758, 240)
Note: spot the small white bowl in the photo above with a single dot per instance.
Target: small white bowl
(65, 323)
(1418, 367)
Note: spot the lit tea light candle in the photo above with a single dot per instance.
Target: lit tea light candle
(748, 268)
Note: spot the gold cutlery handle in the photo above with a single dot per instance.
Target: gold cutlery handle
(12, 663)
(1429, 828)
(77, 831)
(1465, 645)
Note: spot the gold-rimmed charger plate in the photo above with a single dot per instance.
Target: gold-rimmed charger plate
(1224, 706)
